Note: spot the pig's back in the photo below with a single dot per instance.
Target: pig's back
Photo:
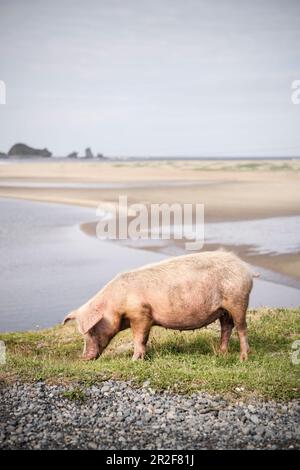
(217, 266)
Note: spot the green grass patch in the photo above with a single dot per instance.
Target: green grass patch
(76, 394)
(180, 361)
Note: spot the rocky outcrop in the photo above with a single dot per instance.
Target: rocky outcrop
(73, 155)
(3, 155)
(88, 153)
(23, 150)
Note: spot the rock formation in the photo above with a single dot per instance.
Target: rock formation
(73, 155)
(23, 150)
(88, 153)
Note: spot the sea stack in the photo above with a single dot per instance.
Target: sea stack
(73, 155)
(23, 150)
(88, 153)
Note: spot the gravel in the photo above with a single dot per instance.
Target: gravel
(116, 415)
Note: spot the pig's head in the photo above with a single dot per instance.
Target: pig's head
(93, 325)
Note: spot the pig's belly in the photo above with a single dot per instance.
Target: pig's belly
(188, 317)
(184, 305)
(186, 322)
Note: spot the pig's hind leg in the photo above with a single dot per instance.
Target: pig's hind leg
(226, 329)
(238, 313)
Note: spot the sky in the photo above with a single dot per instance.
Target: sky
(151, 77)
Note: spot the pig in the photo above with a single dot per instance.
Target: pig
(182, 293)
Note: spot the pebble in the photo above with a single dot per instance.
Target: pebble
(254, 419)
(92, 445)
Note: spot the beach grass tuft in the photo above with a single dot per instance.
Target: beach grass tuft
(184, 362)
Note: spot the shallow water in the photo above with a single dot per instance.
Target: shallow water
(48, 266)
(275, 235)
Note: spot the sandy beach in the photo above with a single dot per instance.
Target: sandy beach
(230, 191)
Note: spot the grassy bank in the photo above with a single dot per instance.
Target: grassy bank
(182, 361)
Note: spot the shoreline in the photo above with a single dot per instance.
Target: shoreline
(51, 232)
(228, 194)
(285, 265)
(214, 210)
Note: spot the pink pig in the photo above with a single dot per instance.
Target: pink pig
(181, 293)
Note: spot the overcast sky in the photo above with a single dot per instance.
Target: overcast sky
(151, 77)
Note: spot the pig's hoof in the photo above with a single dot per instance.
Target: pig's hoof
(89, 358)
(223, 350)
(244, 356)
(138, 357)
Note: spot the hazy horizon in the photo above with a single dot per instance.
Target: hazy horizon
(159, 78)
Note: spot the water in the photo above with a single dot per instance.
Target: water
(274, 235)
(270, 236)
(49, 267)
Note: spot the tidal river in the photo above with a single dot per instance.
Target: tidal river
(49, 267)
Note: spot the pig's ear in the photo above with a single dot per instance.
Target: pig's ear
(70, 316)
(88, 315)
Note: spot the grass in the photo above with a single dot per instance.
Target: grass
(76, 394)
(181, 361)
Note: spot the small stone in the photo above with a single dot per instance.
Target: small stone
(260, 430)
(245, 430)
(254, 419)
(92, 445)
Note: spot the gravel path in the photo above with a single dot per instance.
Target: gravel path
(114, 415)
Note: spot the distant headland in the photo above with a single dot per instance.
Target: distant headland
(21, 150)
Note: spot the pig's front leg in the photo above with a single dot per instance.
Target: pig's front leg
(140, 330)
(91, 347)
